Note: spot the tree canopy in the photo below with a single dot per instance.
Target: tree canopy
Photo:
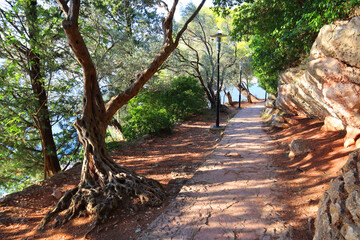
(281, 32)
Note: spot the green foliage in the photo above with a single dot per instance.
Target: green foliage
(146, 116)
(21, 155)
(154, 112)
(282, 32)
(128, 34)
(185, 97)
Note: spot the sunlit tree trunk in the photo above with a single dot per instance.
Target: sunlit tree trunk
(116, 130)
(105, 185)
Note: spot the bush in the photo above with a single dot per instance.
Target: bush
(185, 97)
(157, 111)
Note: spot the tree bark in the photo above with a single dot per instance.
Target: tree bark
(248, 91)
(116, 128)
(105, 185)
(229, 97)
(245, 92)
(42, 116)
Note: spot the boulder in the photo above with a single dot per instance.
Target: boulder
(291, 121)
(340, 40)
(278, 121)
(277, 118)
(332, 124)
(272, 97)
(57, 194)
(298, 147)
(270, 104)
(352, 135)
(338, 216)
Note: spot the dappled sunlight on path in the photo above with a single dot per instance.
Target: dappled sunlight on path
(231, 194)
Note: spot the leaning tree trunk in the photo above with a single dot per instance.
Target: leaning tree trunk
(245, 92)
(51, 161)
(42, 116)
(116, 130)
(229, 97)
(248, 91)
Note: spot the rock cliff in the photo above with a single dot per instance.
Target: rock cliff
(328, 85)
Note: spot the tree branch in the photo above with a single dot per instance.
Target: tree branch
(64, 7)
(168, 47)
(188, 21)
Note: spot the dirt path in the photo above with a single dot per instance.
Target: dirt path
(230, 195)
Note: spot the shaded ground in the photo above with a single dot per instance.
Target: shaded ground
(174, 158)
(302, 180)
(170, 159)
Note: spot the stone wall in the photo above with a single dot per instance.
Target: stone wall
(338, 217)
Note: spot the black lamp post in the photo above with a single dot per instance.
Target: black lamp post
(218, 37)
(241, 63)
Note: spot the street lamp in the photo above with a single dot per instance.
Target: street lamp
(218, 37)
(241, 63)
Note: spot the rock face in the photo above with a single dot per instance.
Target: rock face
(329, 84)
(338, 217)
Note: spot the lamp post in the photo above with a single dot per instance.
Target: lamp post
(241, 63)
(218, 37)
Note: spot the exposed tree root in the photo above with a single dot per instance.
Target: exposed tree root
(123, 188)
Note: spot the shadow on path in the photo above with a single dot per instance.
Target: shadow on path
(231, 194)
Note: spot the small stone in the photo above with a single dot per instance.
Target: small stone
(298, 147)
(350, 231)
(57, 194)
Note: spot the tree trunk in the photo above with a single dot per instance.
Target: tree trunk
(248, 91)
(116, 130)
(245, 92)
(229, 97)
(208, 90)
(105, 185)
(42, 116)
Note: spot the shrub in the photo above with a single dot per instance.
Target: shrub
(157, 111)
(146, 116)
(185, 97)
